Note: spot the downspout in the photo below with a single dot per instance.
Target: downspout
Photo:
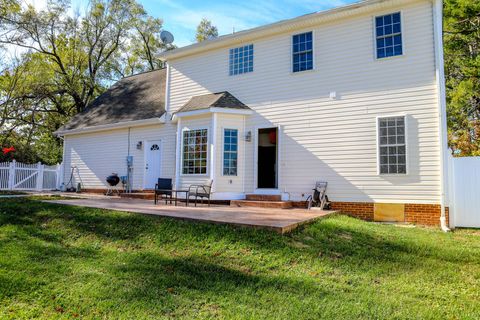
(178, 144)
(178, 134)
(213, 151)
(61, 182)
(129, 168)
(168, 116)
(442, 104)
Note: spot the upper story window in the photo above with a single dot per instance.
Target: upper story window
(230, 152)
(241, 60)
(195, 152)
(388, 33)
(302, 51)
(392, 145)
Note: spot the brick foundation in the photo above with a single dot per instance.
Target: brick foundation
(424, 214)
(120, 190)
(362, 210)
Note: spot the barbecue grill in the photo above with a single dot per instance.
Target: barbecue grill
(112, 181)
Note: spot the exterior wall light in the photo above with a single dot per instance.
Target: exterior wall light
(248, 136)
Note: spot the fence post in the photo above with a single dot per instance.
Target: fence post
(40, 168)
(59, 173)
(11, 174)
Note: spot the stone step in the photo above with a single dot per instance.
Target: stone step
(264, 197)
(262, 204)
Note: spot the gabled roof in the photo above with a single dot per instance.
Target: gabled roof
(284, 26)
(213, 100)
(134, 98)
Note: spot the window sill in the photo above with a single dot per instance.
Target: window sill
(303, 72)
(245, 74)
(392, 174)
(401, 56)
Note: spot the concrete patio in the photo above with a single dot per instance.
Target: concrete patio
(278, 220)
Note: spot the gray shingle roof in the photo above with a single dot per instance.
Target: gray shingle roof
(133, 98)
(213, 100)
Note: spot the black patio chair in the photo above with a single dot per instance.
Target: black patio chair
(201, 191)
(164, 188)
(319, 197)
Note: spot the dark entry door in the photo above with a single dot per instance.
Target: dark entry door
(267, 158)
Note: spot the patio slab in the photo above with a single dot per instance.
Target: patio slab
(278, 220)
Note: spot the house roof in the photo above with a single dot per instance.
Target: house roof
(304, 21)
(213, 100)
(132, 98)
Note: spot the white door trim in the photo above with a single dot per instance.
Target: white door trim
(146, 144)
(255, 164)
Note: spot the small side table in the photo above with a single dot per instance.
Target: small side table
(174, 192)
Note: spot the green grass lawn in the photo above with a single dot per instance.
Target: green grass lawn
(66, 262)
(8, 192)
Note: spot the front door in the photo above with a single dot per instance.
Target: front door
(267, 171)
(152, 163)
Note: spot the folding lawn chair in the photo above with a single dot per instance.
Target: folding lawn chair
(319, 197)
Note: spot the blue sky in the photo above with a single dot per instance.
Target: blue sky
(182, 16)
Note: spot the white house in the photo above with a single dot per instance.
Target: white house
(353, 95)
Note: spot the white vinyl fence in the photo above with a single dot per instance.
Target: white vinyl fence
(21, 176)
(464, 192)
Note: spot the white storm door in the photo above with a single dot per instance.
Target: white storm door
(152, 163)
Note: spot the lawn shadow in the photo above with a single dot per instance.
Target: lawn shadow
(105, 224)
(342, 244)
(154, 278)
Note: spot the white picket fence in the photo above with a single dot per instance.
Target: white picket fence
(21, 176)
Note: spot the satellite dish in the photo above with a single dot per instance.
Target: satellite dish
(166, 37)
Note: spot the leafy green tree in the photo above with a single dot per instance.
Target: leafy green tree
(66, 62)
(140, 52)
(462, 69)
(206, 31)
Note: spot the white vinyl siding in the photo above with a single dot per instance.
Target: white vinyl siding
(334, 139)
(98, 154)
(231, 184)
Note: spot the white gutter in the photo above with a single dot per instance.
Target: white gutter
(211, 110)
(283, 26)
(442, 105)
(111, 126)
(167, 94)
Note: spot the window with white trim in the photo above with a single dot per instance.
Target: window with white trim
(388, 35)
(241, 60)
(392, 145)
(230, 152)
(195, 143)
(302, 52)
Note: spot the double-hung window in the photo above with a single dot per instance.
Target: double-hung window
(388, 34)
(241, 60)
(302, 52)
(392, 145)
(230, 152)
(195, 151)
